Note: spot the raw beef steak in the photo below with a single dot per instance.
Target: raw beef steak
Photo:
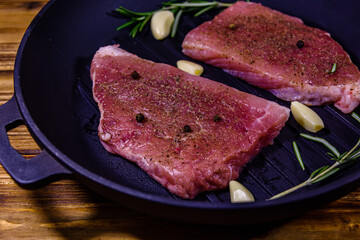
(279, 53)
(189, 133)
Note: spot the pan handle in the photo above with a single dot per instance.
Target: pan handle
(34, 172)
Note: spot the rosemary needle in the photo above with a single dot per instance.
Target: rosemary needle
(176, 23)
(333, 69)
(323, 141)
(298, 156)
(355, 116)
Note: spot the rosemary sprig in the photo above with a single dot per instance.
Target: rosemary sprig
(325, 171)
(138, 20)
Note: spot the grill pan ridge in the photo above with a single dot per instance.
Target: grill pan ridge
(64, 118)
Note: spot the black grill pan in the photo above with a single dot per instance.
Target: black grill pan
(53, 98)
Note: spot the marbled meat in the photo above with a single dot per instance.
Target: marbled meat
(279, 53)
(189, 133)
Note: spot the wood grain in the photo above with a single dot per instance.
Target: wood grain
(68, 210)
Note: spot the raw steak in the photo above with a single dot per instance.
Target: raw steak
(279, 53)
(189, 133)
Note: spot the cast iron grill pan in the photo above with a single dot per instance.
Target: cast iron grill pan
(54, 98)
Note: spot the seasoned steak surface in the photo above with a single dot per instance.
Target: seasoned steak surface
(189, 133)
(277, 52)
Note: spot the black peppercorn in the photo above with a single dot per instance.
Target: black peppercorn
(217, 118)
(135, 75)
(140, 117)
(187, 128)
(300, 44)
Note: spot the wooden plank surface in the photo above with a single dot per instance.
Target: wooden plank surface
(68, 210)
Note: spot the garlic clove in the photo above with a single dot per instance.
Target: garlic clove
(190, 67)
(306, 117)
(161, 23)
(239, 193)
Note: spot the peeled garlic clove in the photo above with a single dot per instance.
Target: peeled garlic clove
(239, 193)
(161, 23)
(190, 67)
(306, 117)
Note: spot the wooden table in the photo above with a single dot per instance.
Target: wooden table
(68, 210)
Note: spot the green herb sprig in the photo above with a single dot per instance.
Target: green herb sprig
(138, 20)
(325, 171)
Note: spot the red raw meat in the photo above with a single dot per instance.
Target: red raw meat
(279, 53)
(189, 133)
